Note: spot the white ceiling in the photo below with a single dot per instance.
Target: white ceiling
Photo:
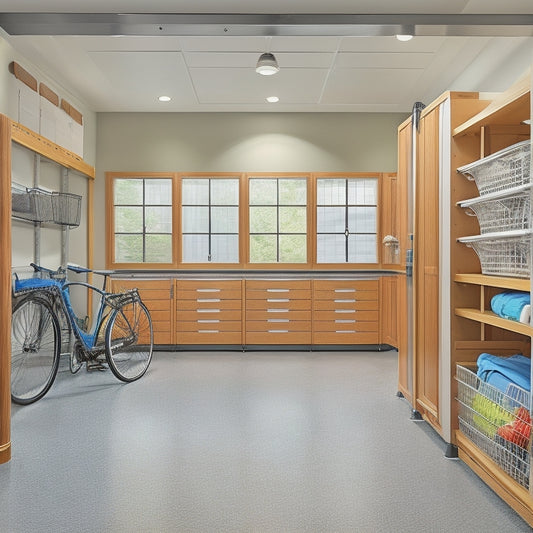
(216, 72)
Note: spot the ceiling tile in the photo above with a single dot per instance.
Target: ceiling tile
(381, 60)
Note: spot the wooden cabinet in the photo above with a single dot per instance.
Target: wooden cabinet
(209, 312)
(345, 312)
(156, 294)
(389, 306)
(278, 312)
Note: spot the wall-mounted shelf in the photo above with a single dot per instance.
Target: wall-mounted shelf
(490, 318)
(500, 282)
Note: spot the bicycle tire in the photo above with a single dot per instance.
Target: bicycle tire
(35, 349)
(129, 341)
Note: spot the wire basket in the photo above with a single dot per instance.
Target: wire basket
(502, 170)
(502, 254)
(31, 204)
(66, 208)
(484, 411)
(504, 213)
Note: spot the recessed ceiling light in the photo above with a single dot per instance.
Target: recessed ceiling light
(272, 99)
(405, 37)
(164, 98)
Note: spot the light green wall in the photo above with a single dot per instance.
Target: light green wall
(244, 142)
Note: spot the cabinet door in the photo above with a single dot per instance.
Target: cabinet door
(426, 269)
(390, 221)
(389, 310)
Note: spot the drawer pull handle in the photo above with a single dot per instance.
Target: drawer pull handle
(344, 321)
(277, 310)
(208, 290)
(278, 300)
(208, 310)
(277, 290)
(208, 300)
(213, 321)
(344, 301)
(344, 290)
(345, 331)
(208, 331)
(278, 331)
(278, 320)
(344, 310)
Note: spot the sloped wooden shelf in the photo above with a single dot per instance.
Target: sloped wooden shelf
(492, 319)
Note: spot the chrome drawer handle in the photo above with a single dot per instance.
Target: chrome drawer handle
(344, 321)
(277, 300)
(344, 290)
(344, 301)
(278, 331)
(208, 290)
(208, 300)
(278, 320)
(213, 321)
(277, 290)
(208, 310)
(277, 310)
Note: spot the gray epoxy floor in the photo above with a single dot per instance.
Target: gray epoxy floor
(238, 442)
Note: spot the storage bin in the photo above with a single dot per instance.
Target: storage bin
(31, 204)
(502, 254)
(502, 212)
(66, 208)
(483, 409)
(502, 170)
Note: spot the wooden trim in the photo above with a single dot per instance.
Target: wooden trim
(5, 289)
(47, 93)
(23, 75)
(43, 146)
(448, 95)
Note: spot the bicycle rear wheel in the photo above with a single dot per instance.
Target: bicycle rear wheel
(35, 349)
(129, 341)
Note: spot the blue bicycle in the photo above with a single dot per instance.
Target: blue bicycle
(43, 316)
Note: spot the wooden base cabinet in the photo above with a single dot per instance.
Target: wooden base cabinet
(209, 312)
(278, 312)
(345, 312)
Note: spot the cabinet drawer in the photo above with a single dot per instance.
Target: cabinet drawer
(204, 284)
(208, 303)
(285, 337)
(273, 294)
(142, 284)
(342, 285)
(337, 326)
(160, 316)
(340, 306)
(209, 337)
(202, 294)
(266, 284)
(277, 326)
(162, 337)
(354, 295)
(346, 314)
(202, 325)
(208, 314)
(265, 314)
(345, 337)
(157, 305)
(279, 303)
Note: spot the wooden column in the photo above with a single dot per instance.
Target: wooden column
(5, 289)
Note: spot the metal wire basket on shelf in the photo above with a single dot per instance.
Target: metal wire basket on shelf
(502, 170)
(502, 254)
(505, 211)
(31, 204)
(66, 208)
(485, 411)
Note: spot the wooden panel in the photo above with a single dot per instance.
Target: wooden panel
(278, 303)
(208, 314)
(202, 293)
(344, 325)
(333, 285)
(320, 337)
(389, 310)
(194, 284)
(151, 284)
(163, 337)
(260, 284)
(207, 303)
(160, 316)
(209, 324)
(274, 325)
(353, 295)
(351, 314)
(278, 337)
(156, 305)
(262, 314)
(209, 337)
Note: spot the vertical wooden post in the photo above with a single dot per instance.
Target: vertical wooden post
(5, 289)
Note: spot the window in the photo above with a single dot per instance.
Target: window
(142, 220)
(346, 220)
(210, 220)
(278, 220)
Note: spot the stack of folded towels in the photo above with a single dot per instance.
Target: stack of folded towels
(513, 305)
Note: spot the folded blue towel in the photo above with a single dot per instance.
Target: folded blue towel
(510, 304)
(502, 371)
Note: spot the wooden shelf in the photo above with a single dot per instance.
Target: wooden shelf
(492, 319)
(512, 107)
(516, 284)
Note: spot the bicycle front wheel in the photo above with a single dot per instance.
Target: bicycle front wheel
(129, 341)
(35, 349)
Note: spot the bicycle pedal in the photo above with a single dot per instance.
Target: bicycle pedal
(95, 365)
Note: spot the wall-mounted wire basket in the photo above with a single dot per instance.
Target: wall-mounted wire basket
(506, 211)
(37, 205)
(502, 170)
(502, 254)
(483, 410)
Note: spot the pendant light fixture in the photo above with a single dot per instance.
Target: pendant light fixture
(267, 64)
